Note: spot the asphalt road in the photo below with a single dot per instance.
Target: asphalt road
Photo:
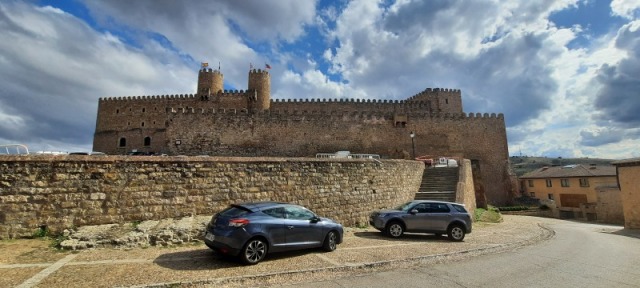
(579, 255)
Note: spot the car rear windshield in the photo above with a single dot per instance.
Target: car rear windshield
(459, 208)
(234, 211)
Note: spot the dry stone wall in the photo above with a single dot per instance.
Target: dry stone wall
(70, 191)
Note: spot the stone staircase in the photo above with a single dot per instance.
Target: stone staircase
(438, 184)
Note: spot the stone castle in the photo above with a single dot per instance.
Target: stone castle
(249, 123)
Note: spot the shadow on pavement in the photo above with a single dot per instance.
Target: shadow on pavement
(406, 237)
(626, 232)
(201, 259)
(206, 259)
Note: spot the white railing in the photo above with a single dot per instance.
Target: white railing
(16, 148)
(347, 155)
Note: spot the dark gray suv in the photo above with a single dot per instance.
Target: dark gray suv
(250, 230)
(424, 216)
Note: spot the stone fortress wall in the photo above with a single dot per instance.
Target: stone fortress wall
(71, 191)
(249, 123)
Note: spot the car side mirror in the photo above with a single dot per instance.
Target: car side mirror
(414, 211)
(315, 219)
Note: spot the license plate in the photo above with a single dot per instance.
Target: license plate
(210, 237)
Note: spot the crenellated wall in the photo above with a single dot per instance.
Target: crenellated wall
(70, 191)
(250, 123)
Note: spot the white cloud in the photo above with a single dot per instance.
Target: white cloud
(625, 8)
(55, 68)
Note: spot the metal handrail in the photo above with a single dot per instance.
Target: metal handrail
(17, 147)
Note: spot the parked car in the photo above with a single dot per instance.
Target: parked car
(251, 230)
(424, 216)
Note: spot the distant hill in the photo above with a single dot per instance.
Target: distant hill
(524, 164)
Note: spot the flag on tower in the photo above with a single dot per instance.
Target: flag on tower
(204, 64)
(267, 66)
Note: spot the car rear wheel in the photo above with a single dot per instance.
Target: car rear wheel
(456, 233)
(330, 242)
(394, 229)
(254, 251)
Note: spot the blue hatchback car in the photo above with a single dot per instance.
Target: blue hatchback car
(251, 230)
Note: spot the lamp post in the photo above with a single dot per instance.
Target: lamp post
(413, 144)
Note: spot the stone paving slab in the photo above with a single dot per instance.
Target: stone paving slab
(194, 265)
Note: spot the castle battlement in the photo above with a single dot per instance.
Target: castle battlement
(233, 93)
(258, 71)
(324, 114)
(147, 98)
(339, 100)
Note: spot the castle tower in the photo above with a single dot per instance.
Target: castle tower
(260, 82)
(209, 81)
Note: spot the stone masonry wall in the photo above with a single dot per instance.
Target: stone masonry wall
(630, 192)
(465, 192)
(72, 191)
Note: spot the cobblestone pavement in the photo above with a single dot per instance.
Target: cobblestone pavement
(31, 263)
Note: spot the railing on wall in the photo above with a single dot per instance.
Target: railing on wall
(347, 155)
(18, 149)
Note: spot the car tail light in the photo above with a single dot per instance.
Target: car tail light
(239, 222)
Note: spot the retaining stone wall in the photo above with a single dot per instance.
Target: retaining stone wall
(71, 191)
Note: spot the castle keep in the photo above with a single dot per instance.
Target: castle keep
(249, 123)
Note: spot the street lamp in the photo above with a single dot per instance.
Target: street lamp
(413, 144)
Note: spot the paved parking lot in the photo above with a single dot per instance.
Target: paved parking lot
(31, 263)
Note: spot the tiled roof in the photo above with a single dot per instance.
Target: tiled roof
(627, 162)
(572, 171)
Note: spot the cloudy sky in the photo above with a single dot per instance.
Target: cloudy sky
(565, 73)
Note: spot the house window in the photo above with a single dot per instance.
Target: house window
(532, 194)
(530, 183)
(147, 141)
(584, 182)
(122, 142)
(564, 182)
(549, 183)
(550, 196)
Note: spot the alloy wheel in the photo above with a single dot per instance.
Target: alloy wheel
(255, 251)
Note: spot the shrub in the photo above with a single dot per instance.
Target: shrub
(491, 215)
(41, 232)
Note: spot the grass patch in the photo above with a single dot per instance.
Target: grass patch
(135, 224)
(41, 232)
(44, 233)
(491, 215)
(57, 240)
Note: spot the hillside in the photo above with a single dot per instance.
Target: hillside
(524, 164)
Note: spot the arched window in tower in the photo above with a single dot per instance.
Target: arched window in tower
(122, 142)
(147, 141)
